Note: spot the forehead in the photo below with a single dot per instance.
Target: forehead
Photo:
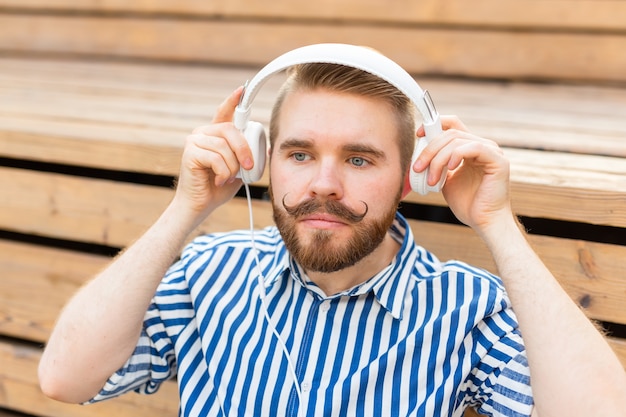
(324, 114)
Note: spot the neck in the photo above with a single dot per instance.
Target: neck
(342, 280)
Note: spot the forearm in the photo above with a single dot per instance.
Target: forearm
(99, 328)
(574, 372)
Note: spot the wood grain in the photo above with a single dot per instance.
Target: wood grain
(19, 390)
(37, 281)
(600, 15)
(92, 210)
(482, 53)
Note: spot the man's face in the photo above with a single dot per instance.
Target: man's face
(335, 177)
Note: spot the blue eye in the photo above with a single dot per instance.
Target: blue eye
(299, 156)
(358, 161)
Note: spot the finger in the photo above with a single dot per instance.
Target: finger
(434, 148)
(213, 153)
(469, 147)
(226, 109)
(452, 122)
(441, 152)
(236, 141)
(447, 122)
(204, 152)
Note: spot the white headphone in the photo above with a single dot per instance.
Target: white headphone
(358, 57)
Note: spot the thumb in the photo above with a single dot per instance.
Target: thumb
(226, 109)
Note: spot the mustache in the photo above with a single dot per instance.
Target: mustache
(314, 205)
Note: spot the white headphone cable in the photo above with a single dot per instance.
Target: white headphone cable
(262, 295)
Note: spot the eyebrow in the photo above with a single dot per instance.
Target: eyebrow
(296, 143)
(351, 148)
(365, 149)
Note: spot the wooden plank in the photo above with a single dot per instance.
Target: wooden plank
(581, 14)
(91, 210)
(74, 208)
(114, 213)
(424, 50)
(130, 125)
(555, 191)
(572, 180)
(556, 117)
(112, 147)
(19, 390)
(39, 276)
(148, 92)
(579, 188)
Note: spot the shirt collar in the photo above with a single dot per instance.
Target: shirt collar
(389, 285)
(391, 291)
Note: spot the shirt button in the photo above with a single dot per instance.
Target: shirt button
(325, 307)
(306, 387)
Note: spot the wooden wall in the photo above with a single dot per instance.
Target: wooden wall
(96, 98)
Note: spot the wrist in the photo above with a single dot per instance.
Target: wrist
(502, 228)
(179, 219)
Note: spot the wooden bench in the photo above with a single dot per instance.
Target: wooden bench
(96, 99)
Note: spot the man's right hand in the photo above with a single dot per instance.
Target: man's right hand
(211, 159)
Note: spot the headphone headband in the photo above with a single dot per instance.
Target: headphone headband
(349, 55)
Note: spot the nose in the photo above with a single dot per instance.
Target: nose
(327, 181)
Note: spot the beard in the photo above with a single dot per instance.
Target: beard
(322, 251)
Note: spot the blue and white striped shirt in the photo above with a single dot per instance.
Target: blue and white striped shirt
(420, 338)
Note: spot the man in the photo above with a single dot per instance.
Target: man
(372, 324)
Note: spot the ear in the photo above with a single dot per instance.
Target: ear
(406, 188)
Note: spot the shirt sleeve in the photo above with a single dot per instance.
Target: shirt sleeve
(144, 371)
(499, 384)
(154, 358)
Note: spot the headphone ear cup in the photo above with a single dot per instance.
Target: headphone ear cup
(419, 180)
(255, 136)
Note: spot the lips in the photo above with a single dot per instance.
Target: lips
(322, 220)
(322, 217)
